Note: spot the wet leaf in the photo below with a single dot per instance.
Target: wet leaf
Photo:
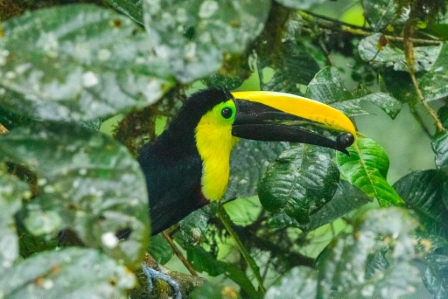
(77, 63)
(299, 4)
(342, 267)
(346, 199)
(426, 193)
(388, 56)
(366, 168)
(379, 13)
(160, 249)
(301, 181)
(433, 84)
(205, 261)
(131, 8)
(248, 162)
(11, 193)
(68, 273)
(88, 182)
(195, 225)
(191, 36)
(440, 148)
(436, 275)
(327, 87)
(300, 282)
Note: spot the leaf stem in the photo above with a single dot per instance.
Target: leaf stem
(179, 254)
(225, 219)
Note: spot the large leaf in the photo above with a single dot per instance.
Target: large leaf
(346, 199)
(68, 273)
(300, 181)
(191, 36)
(366, 168)
(356, 265)
(300, 282)
(88, 182)
(433, 84)
(328, 87)
(11, 193)
(426, 193)
(248, 162)
(342, 267)
(77, 63)
(372, 52)
(379, 13)
(436, 275)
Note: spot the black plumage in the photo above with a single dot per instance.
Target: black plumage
(172, 165)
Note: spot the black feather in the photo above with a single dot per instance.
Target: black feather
(172, 165)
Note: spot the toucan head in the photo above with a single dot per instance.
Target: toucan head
(274, 116)
(223, 117)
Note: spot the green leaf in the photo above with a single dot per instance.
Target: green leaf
(300, 282)
(366, 168)
(299, 4)
(160, 249)
(190, 37)
(342, 267)
(248, 162)
(346, 199)
(440, 148)
(77, 63)
(426, 193)
(433, 84)
(195, 225)
(11, 192)
(205, 261)
(131, 8)
(88, 182)
(295, 66)
(301, 180)
(369, 51)
(379, 13)
(68, 273)
(436, 275)
(327, 87)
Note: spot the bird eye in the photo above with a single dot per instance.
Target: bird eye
(226, 113)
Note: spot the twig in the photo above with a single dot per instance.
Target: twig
(179, 254)
(225, 219)
(410, 59)
(331, 24)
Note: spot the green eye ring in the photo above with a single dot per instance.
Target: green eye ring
(227, 112)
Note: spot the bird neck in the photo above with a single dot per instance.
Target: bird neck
(214, 144)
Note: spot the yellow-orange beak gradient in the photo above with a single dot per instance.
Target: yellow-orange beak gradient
(275, 116)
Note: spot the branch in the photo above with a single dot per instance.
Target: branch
(179, 254)
(225, 219)
(410, 60)
(161, 288)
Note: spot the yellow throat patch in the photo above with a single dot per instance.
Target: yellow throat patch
(214, 142)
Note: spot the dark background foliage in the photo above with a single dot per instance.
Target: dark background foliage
(83, 84)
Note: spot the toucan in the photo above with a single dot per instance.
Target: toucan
(187, 166)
